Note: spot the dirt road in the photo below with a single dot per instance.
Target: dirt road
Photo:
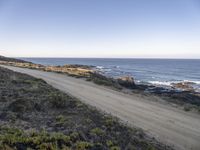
(169, 125)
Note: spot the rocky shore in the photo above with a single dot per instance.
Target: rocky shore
(181, 94)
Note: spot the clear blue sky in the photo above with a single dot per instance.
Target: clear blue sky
(100, 28)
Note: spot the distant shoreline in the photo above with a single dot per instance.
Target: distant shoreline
(111, 58)
(121, 67)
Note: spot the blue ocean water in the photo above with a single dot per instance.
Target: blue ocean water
(153, 71)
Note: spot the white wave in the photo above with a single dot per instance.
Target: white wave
(169, 83)
(115, 67)
(138, 81)
(195, 82)
(107, 69)
(166, 83)
(99, 67)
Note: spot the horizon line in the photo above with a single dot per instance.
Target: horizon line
(110, 57)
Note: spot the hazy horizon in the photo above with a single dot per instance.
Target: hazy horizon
(108, 57)
(197, 57)
(100, 29)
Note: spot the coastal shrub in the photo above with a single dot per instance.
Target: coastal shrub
(98, 146)
(48, 146)
(60, 120)
(74, 136)
(102, 82)
(83, 145)
(187, 108)
(21, 105)
(109, 143)
(29, 81)
(150, 147)
(11, 116)
(88, 79)
(78, 104)
(5, 147)
(97, 131)
(40, 80)
(115, 148)
(57, 100)
(110, 121)
(198, 109)
(100, 79)
(12, 137)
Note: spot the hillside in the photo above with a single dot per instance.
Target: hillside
(34, 115)
(2, 58)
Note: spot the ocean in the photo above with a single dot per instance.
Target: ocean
(161, 72)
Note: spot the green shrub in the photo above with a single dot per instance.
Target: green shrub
(110, 121)
(109, 143)
(60, 120)
(48, 146)
(97, 131)
(88, 79)
(102, 82)
(74, 136)
(12, 137)
(5, 147)
(198, 109)
(21, 105)
(83, 145)
(115, 148)
(150, 147)
(57, 100)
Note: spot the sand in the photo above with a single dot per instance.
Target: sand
(167, 124)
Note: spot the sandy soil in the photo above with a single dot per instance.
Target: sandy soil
(169, 125)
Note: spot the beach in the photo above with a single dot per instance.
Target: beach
(167, 124)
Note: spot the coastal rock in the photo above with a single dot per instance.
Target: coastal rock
(126, 81)
(187, 86)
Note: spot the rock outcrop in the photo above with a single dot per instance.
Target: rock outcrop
(186, 86)
(126, 81)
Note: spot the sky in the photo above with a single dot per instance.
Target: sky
(100, 28)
